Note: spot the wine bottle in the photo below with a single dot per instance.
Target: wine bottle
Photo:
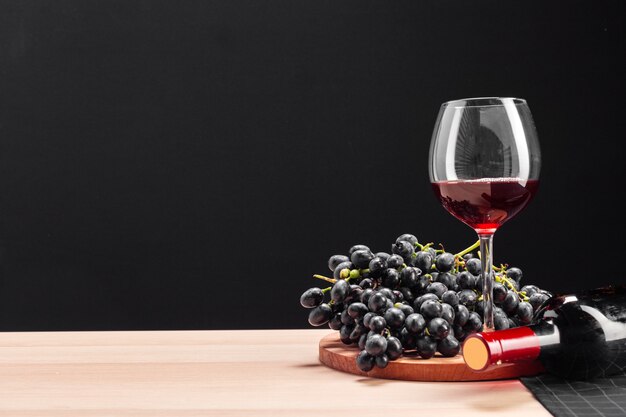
(581, 336)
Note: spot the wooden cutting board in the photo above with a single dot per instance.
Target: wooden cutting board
(336, 355)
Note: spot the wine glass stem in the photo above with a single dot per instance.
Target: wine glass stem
(486, 253)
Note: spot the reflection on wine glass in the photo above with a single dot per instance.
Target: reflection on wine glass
(484, 167)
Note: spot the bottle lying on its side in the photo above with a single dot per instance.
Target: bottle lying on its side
(580, 336)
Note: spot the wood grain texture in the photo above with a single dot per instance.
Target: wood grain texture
(218, 373)
(338, 356)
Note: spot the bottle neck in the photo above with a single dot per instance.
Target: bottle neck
(482, 350)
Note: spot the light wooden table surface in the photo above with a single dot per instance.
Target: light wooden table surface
(219, 373)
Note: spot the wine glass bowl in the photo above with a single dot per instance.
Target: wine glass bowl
(484, 167)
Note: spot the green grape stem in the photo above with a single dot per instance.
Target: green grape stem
(507, 282)
(323, 278)
(426, 246)
(325, 290)
(468, 250)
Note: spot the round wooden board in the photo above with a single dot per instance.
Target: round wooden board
(336, 355)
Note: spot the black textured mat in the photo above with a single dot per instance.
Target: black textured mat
(600, 397)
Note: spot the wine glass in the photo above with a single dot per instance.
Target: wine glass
(484, 167)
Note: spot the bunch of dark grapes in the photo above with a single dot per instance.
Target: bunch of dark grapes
(415, 300)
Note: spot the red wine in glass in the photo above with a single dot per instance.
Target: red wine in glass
(484, 167)
(485, 204)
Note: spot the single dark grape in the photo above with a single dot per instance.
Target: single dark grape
(335, 260)
(461, 315)
(530, 290)
(376, 266)
(415, 323)
(335, 322)
(344, 265)
(537, 299)
(514, 274)
(403, 248)
(361, 258)
(382, 361)
(320, 315)
(391, 278)
(394, 348)
(479, 307)
(387, 293)
(444, 262)
(479, 283)
(377, 302)
(449, 346)
(500, 322)
(407, 339)
(339, 291)
(499, 293)
(367, 318)
(438, 328)
(394, 317)
(357, 332)
(366, 283)
(311, 298)
(354, 294)
(467, 297)
(417, 304)
(437, 288)
(474, 323)
(344, 334)
(473, 266)
(447, 279)
(409, 276)
(375, 345)
(410, 261)
(367, 294)
(398, 296)
(450, 297)
(424, 261)
(395, 261)
(365, 362)
(426, 346)
(510, 303)
(468, 256)
(345, 318)
(406, 309)
(408, 238)
(431, 309)
(357, 310)
(356, 248)
(382, 255)
(377, 324)
(524, 312)
(497, 311)
(466, 281)
(407, 294)
(447, 313)
(362, 341)
(423, 282)
(514, 284)
(459, 332)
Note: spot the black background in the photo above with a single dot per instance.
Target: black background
(190, 164)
